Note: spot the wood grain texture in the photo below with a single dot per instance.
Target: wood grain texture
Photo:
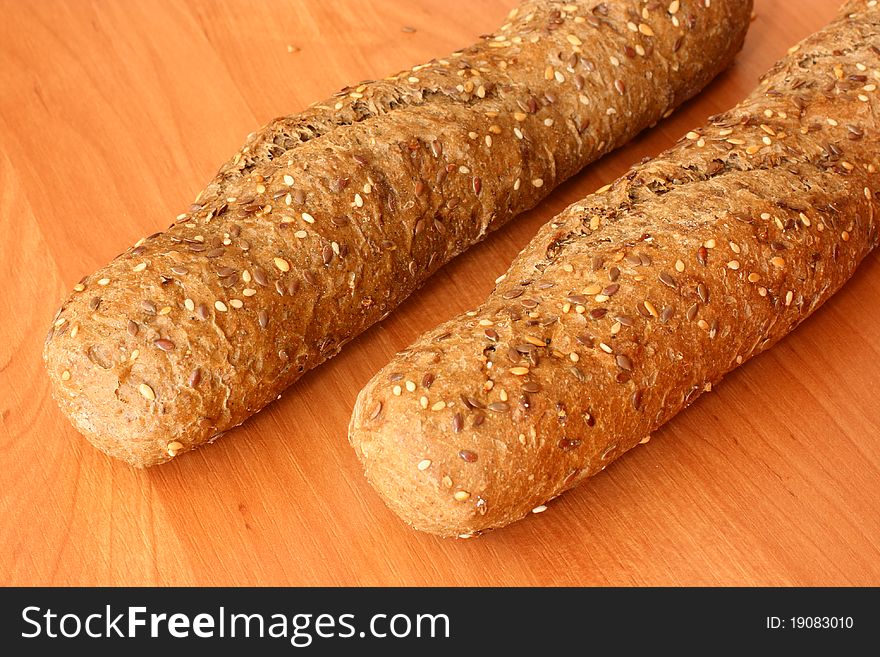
(114, 114)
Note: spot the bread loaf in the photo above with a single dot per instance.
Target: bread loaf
(633, 302)
(327, 219)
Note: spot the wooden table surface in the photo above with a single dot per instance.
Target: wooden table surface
(114, 114)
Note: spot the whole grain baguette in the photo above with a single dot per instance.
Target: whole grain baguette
(327, 219)
(631, 303)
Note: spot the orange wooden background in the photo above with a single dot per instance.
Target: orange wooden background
(114, 114)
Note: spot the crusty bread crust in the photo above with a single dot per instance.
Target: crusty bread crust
(631, 303)
(327, 219)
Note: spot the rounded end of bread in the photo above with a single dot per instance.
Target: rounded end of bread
(119, 425)
(130, 401)
(411, 481)
(441, 448)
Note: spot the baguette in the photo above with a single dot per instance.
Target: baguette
(631, 303)
(327, 219)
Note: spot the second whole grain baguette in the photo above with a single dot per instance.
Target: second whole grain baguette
(327, 219)
(630, 304)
